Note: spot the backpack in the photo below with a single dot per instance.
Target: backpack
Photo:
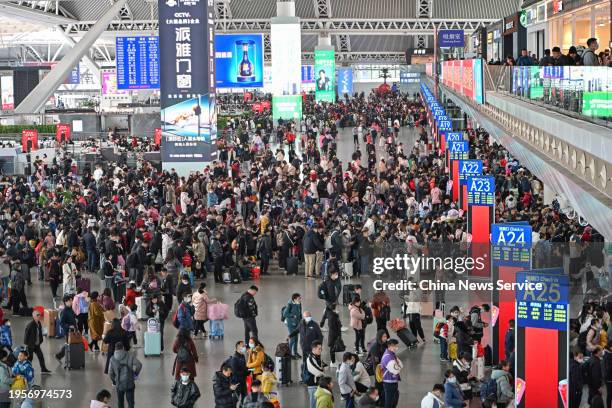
(175, 319)
(283, 310)
(369, 317)
(322, 291)
(183, 354)
(84, 304)
(488, 389)
(125, 379)
(239, 311)
(438, 329)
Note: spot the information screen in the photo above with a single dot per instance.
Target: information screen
(454, 137)
(458, 150)
(325, 75)
(345, 81)
(288, 107)
(308, 76)
(546, 308)
(286, 40)
(481, 190)
(239, 61)
(137, 62)
(469, 168)
(511, 244)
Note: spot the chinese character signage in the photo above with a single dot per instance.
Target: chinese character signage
(469, 168)
(137, 62)
(239, 61)
(325, 74)
(451, 38)
(287, 107)
(345, 81)
(74, 78)
(62, 132)
(188, 120)
(29, 140)
(546, 307)
(481, 190)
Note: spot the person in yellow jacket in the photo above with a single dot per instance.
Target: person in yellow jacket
(255, 358)
(323, 394)
(268, 382)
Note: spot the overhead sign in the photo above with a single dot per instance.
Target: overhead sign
(454, 137)
(325, 74)
(74, 78)
(345, 81)
(481, 190)
(286, 42)
(287, 107)
(138, 62)
(451, 38)
(545, 308)
(239, 61)
(188, 120)
(511, 243)
(469, 168)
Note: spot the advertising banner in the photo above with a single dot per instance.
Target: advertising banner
(597, 96)
(345, 81)
(29, 140)
(287, 107)
(109, 82)
(137, 62)
(62, 132)
(7, 92)
(465, 77)
(286, 42)
(308, 76)
(451, 38)
(325, 75)
(239, 61)
(466, 84)
(188, 119)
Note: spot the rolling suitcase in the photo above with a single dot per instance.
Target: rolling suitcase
(324, 270)
(235, 274)
(227, 278)
(75, 356)
(216, 329)
(407, 337)
(292, 265)
(282, 370)
(84, 284)
(348, 292)
(152, 344)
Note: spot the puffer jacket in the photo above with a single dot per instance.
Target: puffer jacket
(224, 396)
(357, 316)
(185, 395)
(200, 302)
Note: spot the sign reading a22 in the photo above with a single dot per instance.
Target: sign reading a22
(482, 184)
(473, 167)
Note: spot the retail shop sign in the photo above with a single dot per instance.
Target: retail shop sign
(451, 38)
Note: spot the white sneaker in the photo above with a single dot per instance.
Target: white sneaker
(333, 365)
(343, 329)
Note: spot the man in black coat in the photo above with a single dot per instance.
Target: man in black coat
(312, 244)
(239, 369)
(309, 332)
(249, 313)
(67, 320)
(33, 338)
(89, 241)
(595, 378)
(223, 388)
(576, 380)
(333, 289)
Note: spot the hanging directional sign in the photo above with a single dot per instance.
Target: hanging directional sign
(481, 190)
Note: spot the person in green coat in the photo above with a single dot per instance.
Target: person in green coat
(323, 394)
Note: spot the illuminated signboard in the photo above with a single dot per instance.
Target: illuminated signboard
(137, 62)
(481, 190)
(458, 150)
(469, 168)
(511, 244)
(546, 308)
(454, 137)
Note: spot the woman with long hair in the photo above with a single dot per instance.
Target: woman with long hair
(186, 354)
(115, 335)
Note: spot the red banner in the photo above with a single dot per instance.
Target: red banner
(467, 76)
(257, 107)
(157, 136)
(248, 96)
(62, 132)
(265, 105)
(29, 140)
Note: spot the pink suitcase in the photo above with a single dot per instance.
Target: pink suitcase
(218, 311)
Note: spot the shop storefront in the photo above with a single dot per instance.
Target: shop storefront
(514, 36)
(494, 42)
(533, 17)
(573, 22)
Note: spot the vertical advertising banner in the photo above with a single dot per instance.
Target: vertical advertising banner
(239, 61)
(29, 140)
(345, 81)
(477, 70)
(467, 83)
(62, 132)
(286, 42)
(325, 75)
(188, 119)
(7, 92)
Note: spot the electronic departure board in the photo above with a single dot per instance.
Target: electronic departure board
(137, 62)
(511, 244)
(469, 168)
(546, 308)
(458, 150)
(481, 190)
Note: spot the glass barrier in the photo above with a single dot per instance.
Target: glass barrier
(583, 92)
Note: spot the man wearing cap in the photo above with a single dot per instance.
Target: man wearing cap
(33, 339)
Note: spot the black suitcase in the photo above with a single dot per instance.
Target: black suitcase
(292, 265)
(75, 356)
(348, 291)
(283, 370)
(407, 337)
(235, 274)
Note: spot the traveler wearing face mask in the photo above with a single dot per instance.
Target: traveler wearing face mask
(239, 368)
(185, 313)
(314, 371)
(370, 399)
(186, 354)
(576, 379)
(452, 392)
(183, 288)
(348, 389)
(391, 367)
(256, 357)
(185, 392)
(309, 331)
(291, 317)
(434, 398)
